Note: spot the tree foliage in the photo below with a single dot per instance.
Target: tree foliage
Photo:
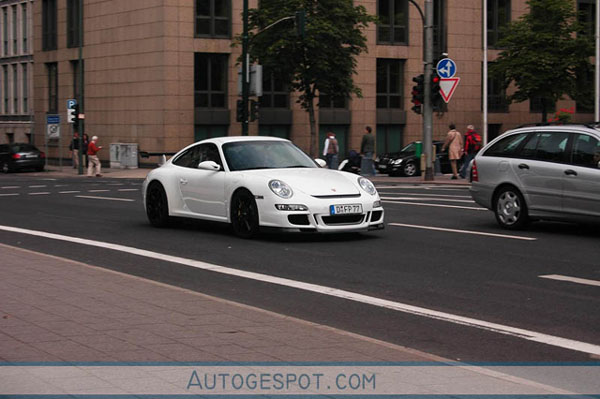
(543, 53)
(323, 61)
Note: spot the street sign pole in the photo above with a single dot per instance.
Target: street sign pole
(245, 56)
(427, 106)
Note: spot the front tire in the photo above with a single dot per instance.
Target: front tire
(5, 167)
(244, 214)
(157, 206)
(410, 169)
(510, 209)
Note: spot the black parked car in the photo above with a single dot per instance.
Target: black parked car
(406, 162)
(18, 156)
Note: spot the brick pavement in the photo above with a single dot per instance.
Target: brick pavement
(54, 309)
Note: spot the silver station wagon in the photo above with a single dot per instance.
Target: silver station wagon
(540, 173)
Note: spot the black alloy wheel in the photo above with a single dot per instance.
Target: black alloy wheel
(510, 208)
(157, 206)
(244, 214)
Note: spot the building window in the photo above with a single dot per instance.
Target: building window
(202, 132)
(5, 82)
(587, 16)
(496, 95)
(393, 21)
(25, 77)
(10, 137)
(275, 92)
(15, 74)
(213, 18)
(14, 30)
(327, 101)
(49, 41)
(210, 80)
(389, 138)
(52, 70)
(24, 27)
(389, 83)
(498, 15)
(5, 31)
(535, 105)
(73, 23)
(29, 138)
(282, 131)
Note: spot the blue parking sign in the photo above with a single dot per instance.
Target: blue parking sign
(71, 103)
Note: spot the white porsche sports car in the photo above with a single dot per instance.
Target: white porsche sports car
(255, 182)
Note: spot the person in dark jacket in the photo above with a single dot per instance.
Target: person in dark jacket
(367, 148)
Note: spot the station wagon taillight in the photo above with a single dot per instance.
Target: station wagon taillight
(16, 156)
(474, 174)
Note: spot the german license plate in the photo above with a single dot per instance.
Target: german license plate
(345, 209)
(382, 166)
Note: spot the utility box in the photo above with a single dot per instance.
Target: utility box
(124, 155)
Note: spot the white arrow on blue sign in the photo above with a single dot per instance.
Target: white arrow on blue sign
(446, 68)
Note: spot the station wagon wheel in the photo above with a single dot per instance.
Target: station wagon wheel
(5, 167)
(157, 205)
(510, 209)
(244, 214)
(410, 169)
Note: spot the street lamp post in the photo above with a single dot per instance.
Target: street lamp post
(245, 82)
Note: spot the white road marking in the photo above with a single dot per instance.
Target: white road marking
(60, 185)
(69, 192)
(577, 280)
(447, 187)
(324, 290)
(9, 195)
(426, 199)
(104, 198)
(128, 189)
(115, 184)
(435, 205)
(98, 191)
(38, 186)
(479, 233)
(427, 195)
(7, 187)
(42, 193)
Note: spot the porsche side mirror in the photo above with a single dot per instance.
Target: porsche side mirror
(321, 162)
(209, 165)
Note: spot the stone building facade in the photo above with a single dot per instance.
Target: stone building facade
(16, 71)
(163, 73)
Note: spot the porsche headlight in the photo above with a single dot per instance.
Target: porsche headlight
(366, 185)
(281, 189)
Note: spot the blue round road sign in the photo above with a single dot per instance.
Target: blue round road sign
(446, 68)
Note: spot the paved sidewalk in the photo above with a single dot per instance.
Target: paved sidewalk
(140, 173)
(54, 309)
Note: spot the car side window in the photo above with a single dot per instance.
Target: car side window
(506, 147)
(585, 151)
(209, 152)
(189, 159)
(546, 146)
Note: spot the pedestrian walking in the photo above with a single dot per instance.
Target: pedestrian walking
(472, 147)
(454, 144)
(331, 150)
(367, 148)
(74, 149)
(92, 151)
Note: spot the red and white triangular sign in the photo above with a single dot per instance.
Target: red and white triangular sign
(447, 87)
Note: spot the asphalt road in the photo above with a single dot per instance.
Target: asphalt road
(439, 251)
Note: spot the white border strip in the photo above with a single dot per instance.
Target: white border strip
(435, 205)
(104, 198)
(334, 292)
(570, 279)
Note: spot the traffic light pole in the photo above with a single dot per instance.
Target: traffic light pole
(427, 106)
(80, 123)
(245, 83)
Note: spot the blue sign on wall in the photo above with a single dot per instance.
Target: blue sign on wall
(52, 119)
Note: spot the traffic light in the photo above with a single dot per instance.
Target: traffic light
(253, 110)
(73, 116)
(239, 112)
(418, 93)
(300, 22)
(436, 95)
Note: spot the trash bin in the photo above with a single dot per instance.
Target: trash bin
(418, 149)
(124, 155)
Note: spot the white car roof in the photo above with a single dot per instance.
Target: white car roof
(232, 139)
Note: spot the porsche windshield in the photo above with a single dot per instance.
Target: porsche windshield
(245, 155)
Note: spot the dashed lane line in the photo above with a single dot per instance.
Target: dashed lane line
(570, 279)
(105, 198)
(427, 195)
(38, 186)
(479, 233)
(128, 189)
(471, 208)
(69, 192)
(426, 199)
(521, 333)
(41, 193)
(98, 191)
(9, 195)
(9, 187)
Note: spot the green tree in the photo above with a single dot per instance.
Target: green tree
(543, 54)
(323, 60)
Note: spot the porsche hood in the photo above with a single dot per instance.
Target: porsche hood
(316, 182)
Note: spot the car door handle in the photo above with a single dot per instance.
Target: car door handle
(570, 172)
(183, 181)
(523, 166)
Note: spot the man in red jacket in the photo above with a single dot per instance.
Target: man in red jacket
(94, 162)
